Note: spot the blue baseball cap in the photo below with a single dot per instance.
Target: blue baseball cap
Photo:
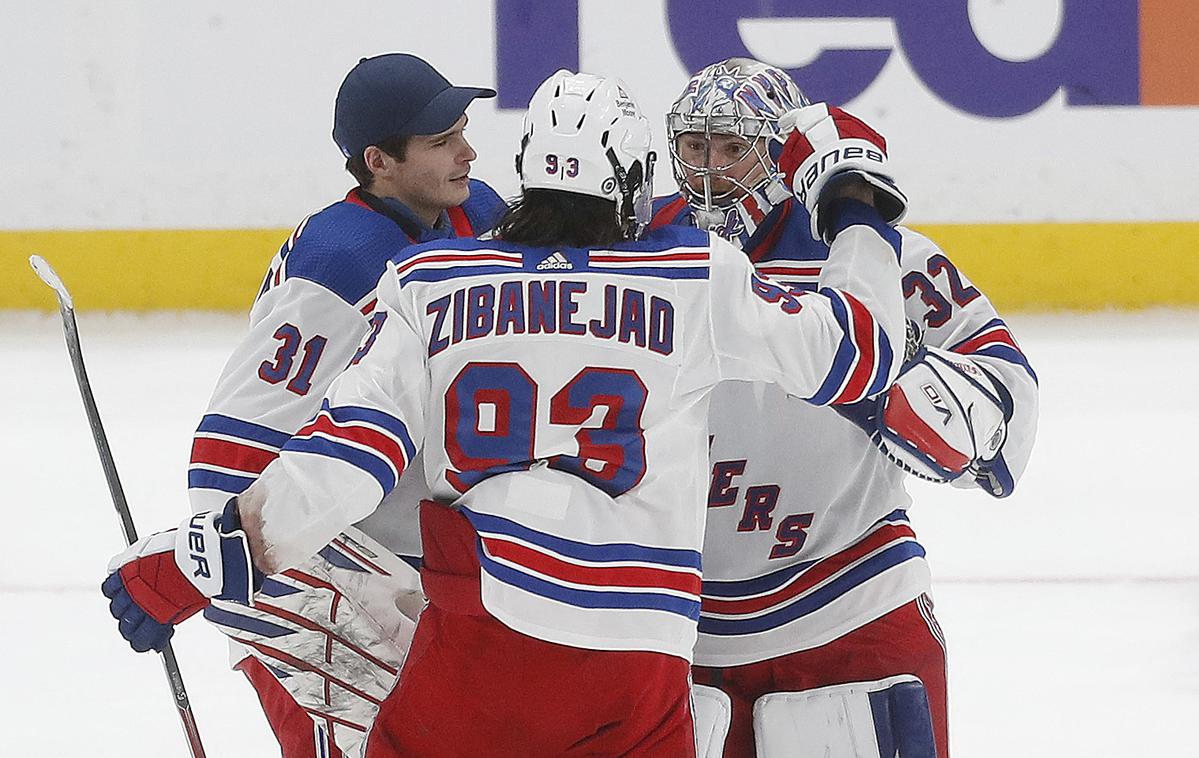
(392, 95)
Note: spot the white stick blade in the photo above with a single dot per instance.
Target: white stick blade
(47, 274)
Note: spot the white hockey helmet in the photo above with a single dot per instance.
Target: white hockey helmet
(585, 134)
(737, 96)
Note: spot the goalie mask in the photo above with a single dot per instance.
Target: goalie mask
(731, 108)
(585, 134)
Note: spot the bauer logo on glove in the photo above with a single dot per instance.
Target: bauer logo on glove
(166, 578)
(825, 146)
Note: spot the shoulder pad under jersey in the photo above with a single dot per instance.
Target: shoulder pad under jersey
(666, 237)
(785, 236)
(671, 209)
(343, 248)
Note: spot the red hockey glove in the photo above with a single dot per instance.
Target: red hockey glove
(166, 578)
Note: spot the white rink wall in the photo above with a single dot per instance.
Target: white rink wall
(139, 114)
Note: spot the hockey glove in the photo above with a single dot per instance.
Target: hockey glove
(166, 578)
(827, 146)
(943, 415)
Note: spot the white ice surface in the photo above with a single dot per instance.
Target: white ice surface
(1071, 609)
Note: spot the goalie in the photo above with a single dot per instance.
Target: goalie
(816, 592)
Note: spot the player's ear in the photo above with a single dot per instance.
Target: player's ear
(377, 161)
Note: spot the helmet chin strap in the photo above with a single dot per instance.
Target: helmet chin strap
(632, 210)
(738, 222)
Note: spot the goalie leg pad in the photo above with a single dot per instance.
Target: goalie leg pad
(334, 631)
(712, 711)
(887, 718)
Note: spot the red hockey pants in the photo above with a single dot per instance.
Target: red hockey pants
(473, 687)
(905, 641)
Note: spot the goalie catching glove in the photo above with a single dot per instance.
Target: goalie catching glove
(166, 578)
(825, 147)
(943, 415)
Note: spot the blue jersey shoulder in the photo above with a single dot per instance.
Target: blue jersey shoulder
(671, 209)
(666, 237)
(791, 239)
(345, 248)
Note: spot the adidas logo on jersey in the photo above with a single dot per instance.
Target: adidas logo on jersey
(557, 261)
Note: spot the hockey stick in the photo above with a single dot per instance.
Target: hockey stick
(67, 308)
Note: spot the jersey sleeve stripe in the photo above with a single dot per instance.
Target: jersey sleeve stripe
(863, 336)
(377, 466)
(202, 479)
(995, 341)
(862, 358)
(227, 454)
(227, 425)
(364, 436)
(347, 414)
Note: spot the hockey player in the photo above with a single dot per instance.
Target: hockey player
(557, 380)
(812, 573)
(328, 637)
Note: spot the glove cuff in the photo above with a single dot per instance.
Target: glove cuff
(212, 551)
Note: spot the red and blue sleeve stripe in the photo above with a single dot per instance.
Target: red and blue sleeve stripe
(862, 363)
(602, 576)
(370, 440)
(994, 340)
(228, 453)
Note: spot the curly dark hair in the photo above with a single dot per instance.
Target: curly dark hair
(553, 218)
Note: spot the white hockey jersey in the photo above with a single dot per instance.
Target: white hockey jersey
(808, 536)
(321, 627)
(561, 398)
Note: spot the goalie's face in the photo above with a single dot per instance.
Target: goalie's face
(720, 167)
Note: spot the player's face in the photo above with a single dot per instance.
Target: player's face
(727, 159)
(433, 175)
